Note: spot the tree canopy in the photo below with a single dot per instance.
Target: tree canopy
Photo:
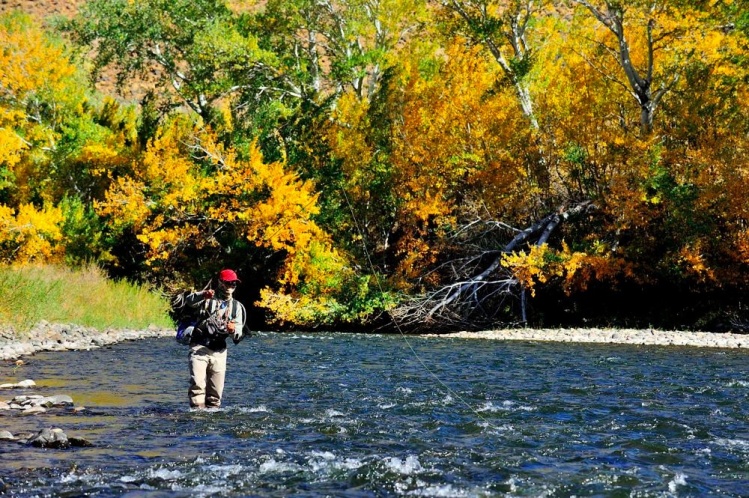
(435, 165)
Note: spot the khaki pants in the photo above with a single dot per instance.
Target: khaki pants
(207, 373)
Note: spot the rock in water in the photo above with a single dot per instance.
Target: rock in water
(50, 438)
(79, 442)
(58, 400)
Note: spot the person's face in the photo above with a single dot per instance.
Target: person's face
(228, 287)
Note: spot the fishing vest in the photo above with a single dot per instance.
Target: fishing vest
(211, 329)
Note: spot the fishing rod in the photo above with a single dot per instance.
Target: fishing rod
(437, 379)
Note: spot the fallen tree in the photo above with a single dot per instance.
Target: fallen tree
(480, 291)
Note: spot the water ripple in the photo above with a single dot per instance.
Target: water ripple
(358, 415)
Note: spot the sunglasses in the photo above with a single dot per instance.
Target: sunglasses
(228, 284)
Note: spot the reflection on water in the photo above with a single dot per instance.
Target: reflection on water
(359, 415)
(47, 383)
(103, 398)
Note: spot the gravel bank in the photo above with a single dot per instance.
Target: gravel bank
(60, 337)
(615, 336)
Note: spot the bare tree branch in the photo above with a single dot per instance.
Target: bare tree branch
(480, 287)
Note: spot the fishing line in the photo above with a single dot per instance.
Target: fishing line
(439, 381)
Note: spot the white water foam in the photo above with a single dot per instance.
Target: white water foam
(678, 480)
(306, 336)
(272, 466)
(165, 474)
(72, 477)
(409, 466)
(204, 490)
(738, 383)
(255, 409)
(326, 461)
(506, 406)
(496, 429)
(447, 400)
(225, 471)
(734, 444)
(444, 491)
(512, 482)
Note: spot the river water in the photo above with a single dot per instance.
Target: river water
(368, 415)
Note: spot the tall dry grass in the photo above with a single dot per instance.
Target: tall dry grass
(85, 297)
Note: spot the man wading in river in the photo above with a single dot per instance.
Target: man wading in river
(221, 316)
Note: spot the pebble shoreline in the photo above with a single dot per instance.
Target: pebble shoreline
(63, 337)
(644, 337)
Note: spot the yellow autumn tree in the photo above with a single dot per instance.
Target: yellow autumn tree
(447, 151)
(49, 143)
(455, 148)
(641, 108)
(39, 90)
(630, 147)
(31, 235)
(192, 198)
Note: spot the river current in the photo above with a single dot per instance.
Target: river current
(320, 414)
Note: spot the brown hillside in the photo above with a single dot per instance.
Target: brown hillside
(41, 9)
(44, 9)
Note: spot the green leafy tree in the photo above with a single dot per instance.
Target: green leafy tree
(189, 50)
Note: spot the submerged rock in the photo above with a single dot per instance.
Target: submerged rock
(50, 438)
(79, 442)
(54, 437)
(57, 400)
(20, 385)
(33, 410)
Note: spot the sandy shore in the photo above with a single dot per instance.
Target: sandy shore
(615, 336)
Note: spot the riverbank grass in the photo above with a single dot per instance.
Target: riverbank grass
(85, 297)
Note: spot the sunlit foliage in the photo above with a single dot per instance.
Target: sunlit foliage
(190, 196)
(29, 235)
(340, 149)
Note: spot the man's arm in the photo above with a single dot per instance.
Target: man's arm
(195, 299)
(239, 319)
(236, 325)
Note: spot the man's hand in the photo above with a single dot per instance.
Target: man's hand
(231, 326)
(208, 294)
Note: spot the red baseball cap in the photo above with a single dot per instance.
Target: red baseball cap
(228, 276)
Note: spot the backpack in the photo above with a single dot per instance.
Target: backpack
(187, 317)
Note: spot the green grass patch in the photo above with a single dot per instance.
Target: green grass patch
(85, 297)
